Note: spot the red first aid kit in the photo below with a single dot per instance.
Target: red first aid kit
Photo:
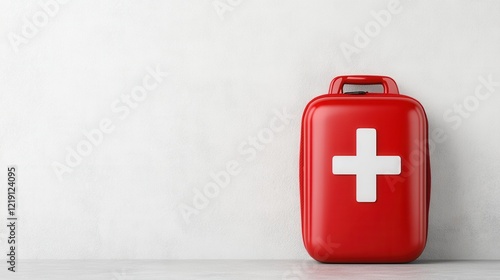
(364, 174)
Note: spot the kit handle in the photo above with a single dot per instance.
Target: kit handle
(337, 84)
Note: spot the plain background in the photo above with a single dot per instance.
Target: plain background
(228, 75)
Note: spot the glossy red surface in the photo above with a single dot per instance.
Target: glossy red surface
(337, 228)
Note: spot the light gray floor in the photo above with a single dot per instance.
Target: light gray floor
(248, 269)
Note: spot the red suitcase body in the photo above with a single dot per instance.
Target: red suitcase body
(364, 175)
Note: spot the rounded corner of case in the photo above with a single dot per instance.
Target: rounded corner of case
(414, 253)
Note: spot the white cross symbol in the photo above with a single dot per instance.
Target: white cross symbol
(366, 165)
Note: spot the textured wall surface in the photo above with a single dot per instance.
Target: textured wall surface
(118, 159)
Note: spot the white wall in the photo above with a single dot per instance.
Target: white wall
(227, 78)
